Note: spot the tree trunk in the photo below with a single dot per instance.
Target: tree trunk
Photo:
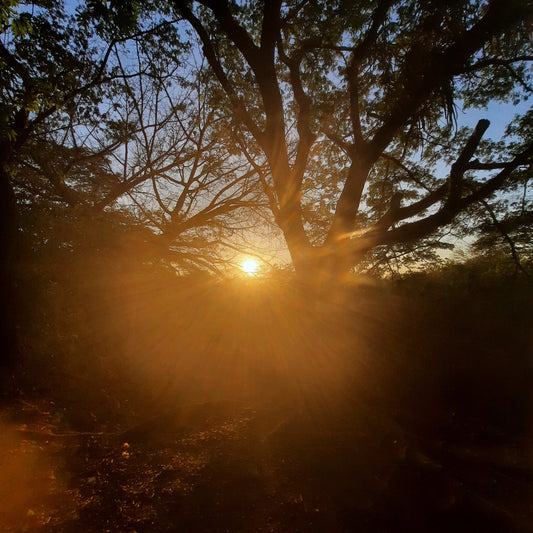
(9, 246)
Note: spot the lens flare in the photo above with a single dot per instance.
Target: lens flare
(250, 266)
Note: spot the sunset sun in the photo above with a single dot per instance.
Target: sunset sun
(250, 266)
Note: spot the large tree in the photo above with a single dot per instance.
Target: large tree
(345, 106)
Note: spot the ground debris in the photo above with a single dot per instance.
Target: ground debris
(257, 468)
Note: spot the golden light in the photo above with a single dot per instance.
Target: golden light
(250, 266)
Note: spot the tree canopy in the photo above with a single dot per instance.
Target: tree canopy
(351, 106)
(104, 119)
(186, 119)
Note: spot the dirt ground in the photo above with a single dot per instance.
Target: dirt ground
(228, 466)
(255, 413)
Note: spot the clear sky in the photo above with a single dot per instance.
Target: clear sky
(500, 115)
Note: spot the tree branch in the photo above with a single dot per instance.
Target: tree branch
(460, 166)
(497, 61)
(423, 75)
(422, 228)
(238, 105)
(361, 52)
(306, 136)
(261, 62)
(506, 237)
(239, 36)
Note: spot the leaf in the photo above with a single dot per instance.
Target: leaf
(21, 26)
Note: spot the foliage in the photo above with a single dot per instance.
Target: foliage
(173, 117)
(116, 128)
(142, 143)
(350, 107)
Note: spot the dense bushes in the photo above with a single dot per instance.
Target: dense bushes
(111, 336)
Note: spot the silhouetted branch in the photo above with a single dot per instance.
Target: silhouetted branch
(506, 237)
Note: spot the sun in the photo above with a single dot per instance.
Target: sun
(250, 266)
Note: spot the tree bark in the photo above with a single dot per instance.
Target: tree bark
(9, 247)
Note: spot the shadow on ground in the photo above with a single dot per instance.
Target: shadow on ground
(385, 414)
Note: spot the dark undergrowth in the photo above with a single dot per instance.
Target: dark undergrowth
(144, 402)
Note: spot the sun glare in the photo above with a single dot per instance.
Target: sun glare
(250, 266)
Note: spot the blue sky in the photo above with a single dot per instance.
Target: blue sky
(500, 115)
